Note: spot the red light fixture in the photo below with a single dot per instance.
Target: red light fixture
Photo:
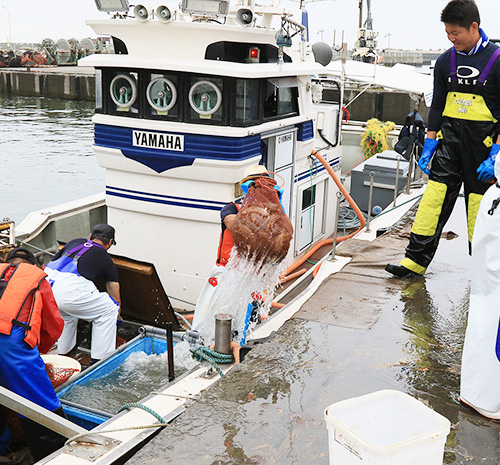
(254, 54)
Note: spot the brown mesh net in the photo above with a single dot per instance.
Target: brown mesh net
(57, 375)
(261, 230)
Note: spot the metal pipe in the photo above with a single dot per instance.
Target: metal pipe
(398, 159)
(410, 168)
(170, 352)
(10, 31)
(370, 200)
(147, 330)
(223, 333)
(335, 230)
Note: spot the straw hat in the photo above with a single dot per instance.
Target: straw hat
(254, 172)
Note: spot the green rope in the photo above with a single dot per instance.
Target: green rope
(206, 353)
(400, 205)
(143, 407)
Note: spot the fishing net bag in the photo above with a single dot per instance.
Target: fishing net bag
(261, 230)
(59, 375)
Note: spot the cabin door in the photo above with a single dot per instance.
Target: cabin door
(278, 154)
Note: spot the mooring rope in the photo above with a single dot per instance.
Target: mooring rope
(117, 430)
(143, 407)
(163, 423)
(206, 353)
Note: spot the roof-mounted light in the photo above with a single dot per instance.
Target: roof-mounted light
(206, 7)
(112, 6)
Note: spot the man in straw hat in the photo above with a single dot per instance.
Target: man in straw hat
(203, 313)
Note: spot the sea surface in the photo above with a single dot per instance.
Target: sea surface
(46, 154)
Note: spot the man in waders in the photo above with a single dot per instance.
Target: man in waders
(204, 314)
(462, 138)
(71, 274)
(30, 324)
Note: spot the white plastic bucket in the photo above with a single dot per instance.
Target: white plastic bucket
(385, 428)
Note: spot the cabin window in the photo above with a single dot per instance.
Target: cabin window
(311, 213)
(162, 96)
(280, 99)
(124, 93)
(247, 101)
(205, 99)
(308, 197)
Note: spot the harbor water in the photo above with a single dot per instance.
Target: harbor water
(46, 153)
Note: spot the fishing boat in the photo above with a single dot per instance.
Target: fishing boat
(192, 97)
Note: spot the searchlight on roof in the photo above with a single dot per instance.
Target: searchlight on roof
(112, 6)
(206, 7)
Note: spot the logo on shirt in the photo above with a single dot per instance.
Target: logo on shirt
(466, 75)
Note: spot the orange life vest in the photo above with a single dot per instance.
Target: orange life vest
(22, 284)
(225, 244)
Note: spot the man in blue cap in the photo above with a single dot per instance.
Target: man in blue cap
(71, 273)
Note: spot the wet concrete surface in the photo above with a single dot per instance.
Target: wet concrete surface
(269, 409)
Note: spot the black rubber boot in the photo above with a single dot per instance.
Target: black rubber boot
(400, 271)
(42, 441)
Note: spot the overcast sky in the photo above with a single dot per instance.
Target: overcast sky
(409, 24)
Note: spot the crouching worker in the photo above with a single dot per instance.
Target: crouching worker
(71, 274)
(30, 324)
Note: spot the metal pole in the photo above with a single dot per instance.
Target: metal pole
(370, 199)
(410, 168)
(10, 32)
(47, 418)
(339, 195)
(398, 158)
(223, 333)
(170, 351)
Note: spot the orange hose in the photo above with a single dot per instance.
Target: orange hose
(320, 244)
(277, 305)
(293, 275)
(316, 269)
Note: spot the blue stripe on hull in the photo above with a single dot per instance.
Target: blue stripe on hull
(191, 202)
(165, 199)
(195, 146)
(162, 201)
(317, 168)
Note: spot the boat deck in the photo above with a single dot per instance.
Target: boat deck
(362, 331)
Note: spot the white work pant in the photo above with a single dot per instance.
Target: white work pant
(205, 311)
(79, 299)
(213, 300)
(480, 381)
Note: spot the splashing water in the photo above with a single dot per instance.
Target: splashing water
(243, 281)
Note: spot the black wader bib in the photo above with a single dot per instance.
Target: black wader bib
(467, 130)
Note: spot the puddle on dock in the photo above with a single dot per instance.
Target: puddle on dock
(269, 410)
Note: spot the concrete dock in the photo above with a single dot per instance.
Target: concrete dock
(66, 82)
(361, 332)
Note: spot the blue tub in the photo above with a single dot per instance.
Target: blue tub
(89, 417)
